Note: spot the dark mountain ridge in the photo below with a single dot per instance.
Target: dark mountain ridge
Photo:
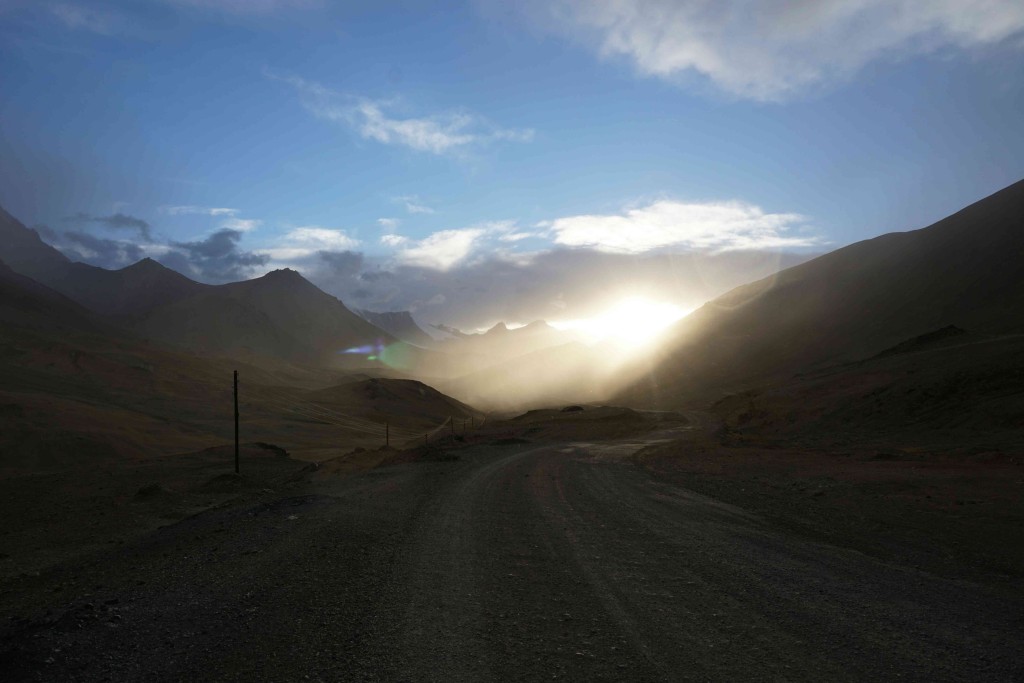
(964, 270)
(130, 291)
(280, 315)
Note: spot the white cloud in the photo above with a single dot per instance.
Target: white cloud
(201, 210)
(436, 134)
(518, 236)
(388, 224)
(242, 224)
(772, 50)
(443, 249)
(316, 238)
(446, 248)
(300, 244)
(720, 226)
(413, 204)
(392, 240)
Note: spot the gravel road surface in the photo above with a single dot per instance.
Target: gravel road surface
(512, 563)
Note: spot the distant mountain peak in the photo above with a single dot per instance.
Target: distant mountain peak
(498, 329)
(145, 265)
(401, 324)
(283, 275)
(449, 330)
(278, 278)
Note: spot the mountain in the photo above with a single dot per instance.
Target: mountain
(24, 303)
(25, 252)
(280, 315)
(399, 324)
(964, 270)
(130, 291)
(502, 342)
(949, 392)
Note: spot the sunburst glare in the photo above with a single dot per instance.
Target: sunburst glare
(634, 321)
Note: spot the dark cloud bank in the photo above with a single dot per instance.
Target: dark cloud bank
(215, 259)
(116, 221)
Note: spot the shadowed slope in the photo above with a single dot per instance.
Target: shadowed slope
(415, 403)
(281, 315)
(964, 270)
(399, 324)
(25, 252)
(129, 291)
(26, 303)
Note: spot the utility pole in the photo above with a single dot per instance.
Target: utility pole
(236, 421)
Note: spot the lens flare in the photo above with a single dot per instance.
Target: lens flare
(397, 355)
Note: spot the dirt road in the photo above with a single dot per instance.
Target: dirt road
(513, 563)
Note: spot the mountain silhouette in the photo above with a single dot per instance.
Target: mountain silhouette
(280, 315)
(130, 291)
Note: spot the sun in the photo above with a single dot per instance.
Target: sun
(634, 321)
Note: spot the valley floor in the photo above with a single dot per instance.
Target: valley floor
(514, 561)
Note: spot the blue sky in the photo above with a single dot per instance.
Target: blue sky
(400, 154)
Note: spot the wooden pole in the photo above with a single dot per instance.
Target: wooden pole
(236, 421)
